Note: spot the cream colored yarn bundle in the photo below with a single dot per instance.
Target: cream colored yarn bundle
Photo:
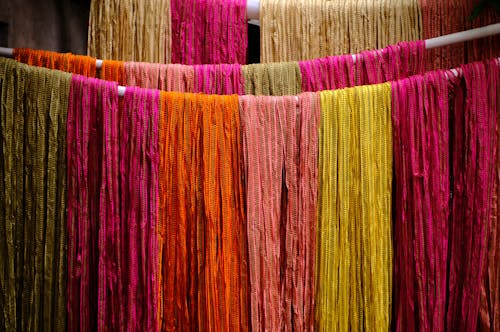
(293, 30)
(130, 30)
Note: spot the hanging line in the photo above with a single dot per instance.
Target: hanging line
(441, 41)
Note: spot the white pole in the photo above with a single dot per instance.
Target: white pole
(121, 90)
(463, 36)
(6, 52)
(253, 9)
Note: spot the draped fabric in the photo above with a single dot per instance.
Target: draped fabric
(368, 67)
(130, 30)
(473, 159)
(421, 136)
(32, 197)
(280, 147)
(308, 29)
(112, 207)
(202, 225)
(209, 31)
(272, 79)
(449, 16)
(76, 64)
(354, 245)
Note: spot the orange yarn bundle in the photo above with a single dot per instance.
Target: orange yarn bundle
(202, 227)
(112, 70)
(76, 64)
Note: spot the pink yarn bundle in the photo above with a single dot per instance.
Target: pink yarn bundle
(206, 31)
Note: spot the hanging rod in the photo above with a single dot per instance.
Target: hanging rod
(453, 38)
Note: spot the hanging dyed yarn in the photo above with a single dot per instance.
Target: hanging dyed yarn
(286, 78)
(202, 224)
(308, 29)
(354, 245)
(113, 190)
(130, 30)
(280, 148)
(489, 311)
(89, 100)
(76, 64)
(273, 79)
(33, 197)
(209, 31)
(421, 136)
(473, 150)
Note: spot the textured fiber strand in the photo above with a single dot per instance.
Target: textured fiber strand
(219, 79)
(89, 100)
(130, 30)
(135, 235)
(209, 31)
(329, 73)
(113, 71)
(210, 79)
(390, 63)
(293, 30)
(474, 147)
(112, 207)
(489, 319)
(273, 79)
(280, 147)
(32, 197)
(354, 246)
(75, 64)
(169, 77)
(420, 115)
(177, 78)
(180, 208)
(202, 227)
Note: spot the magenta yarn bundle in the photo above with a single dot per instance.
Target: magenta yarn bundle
(138, 174)
(209, 31)
(420, 114)
(112, 207)
(369, 67)
(328, 73)
(90, 102)
(474, 163)
(444, 134)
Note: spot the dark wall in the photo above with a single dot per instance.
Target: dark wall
(56, 25)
